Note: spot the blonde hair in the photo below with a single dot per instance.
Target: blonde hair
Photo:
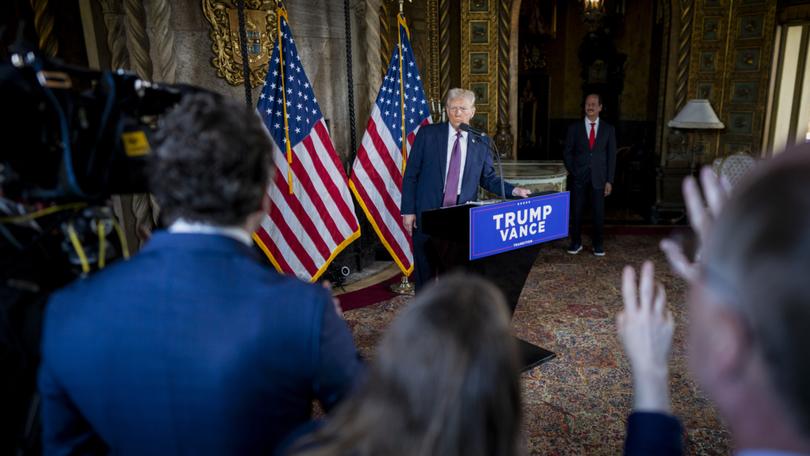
(455, 93)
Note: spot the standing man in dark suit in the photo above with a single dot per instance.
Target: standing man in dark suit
(590, 157)
(193, 346)
(445, 168)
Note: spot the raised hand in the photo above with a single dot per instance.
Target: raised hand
(701, 217)
(645, 327)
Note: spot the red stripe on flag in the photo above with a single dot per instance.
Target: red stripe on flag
(321, 168)
(296, 247)
(323, 134)
(379, 186)
(381, 150)
(343, 205)
(301, 215)
(384, 228)
(272, 248)
(315, 193)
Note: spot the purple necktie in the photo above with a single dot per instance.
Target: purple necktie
(451, 183)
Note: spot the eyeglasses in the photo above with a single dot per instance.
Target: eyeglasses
(461, 109)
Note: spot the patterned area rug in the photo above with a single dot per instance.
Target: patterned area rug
(577, 403)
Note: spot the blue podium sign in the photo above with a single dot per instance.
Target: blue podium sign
(514, 224)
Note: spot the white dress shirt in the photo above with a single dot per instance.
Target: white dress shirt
(235, 232)
(463, 143)
(588, 128)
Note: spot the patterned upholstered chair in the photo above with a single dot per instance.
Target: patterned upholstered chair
(734, 167)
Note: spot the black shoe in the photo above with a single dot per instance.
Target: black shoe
(573, 249)
(598, 251)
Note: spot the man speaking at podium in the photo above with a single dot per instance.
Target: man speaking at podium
(446, 165)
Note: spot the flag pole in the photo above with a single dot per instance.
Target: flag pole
(282, 12)
(402, 24)
(404, 287)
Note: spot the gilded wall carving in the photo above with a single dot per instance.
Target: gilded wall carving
(260, 19)
(479, 59)
(732, 44)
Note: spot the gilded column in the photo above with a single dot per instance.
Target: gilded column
(160, 11)
(374, 53)
(503, 137)
(444, 47)
(116, 34)
(385, 35)
(684, 43)
(138, 44)
(43, 23)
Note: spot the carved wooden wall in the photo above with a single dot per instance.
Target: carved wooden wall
(730, 64)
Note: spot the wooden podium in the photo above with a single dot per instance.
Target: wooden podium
(448, 250)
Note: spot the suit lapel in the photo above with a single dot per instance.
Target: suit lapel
(472, 154)
(444, 138)
(600, 135)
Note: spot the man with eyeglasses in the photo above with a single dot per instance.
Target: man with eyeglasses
(445, 167)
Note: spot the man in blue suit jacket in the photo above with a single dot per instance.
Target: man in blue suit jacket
(424, 185)
(193, 346)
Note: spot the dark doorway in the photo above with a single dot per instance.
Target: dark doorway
(537, 31)
(533, 116)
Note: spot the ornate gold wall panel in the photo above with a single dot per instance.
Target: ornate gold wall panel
(479, 59)
(731, 51)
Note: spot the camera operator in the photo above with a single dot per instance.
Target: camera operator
(193, 346)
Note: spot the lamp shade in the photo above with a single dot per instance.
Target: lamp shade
(697, 114)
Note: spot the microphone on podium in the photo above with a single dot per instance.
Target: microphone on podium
(472, 130)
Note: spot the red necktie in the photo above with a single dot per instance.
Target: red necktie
(592, 136)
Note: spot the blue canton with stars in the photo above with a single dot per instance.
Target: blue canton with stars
(302, 107)
(389, 98)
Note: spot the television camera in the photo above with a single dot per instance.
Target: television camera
(72, 137)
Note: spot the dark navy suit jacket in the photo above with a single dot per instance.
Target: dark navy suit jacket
(579, 158)
(423, 182)
(652, 433)
(191, 347)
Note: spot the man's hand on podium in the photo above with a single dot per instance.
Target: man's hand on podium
(409, 222)
(521, 192)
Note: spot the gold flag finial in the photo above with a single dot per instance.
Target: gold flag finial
(401, 5)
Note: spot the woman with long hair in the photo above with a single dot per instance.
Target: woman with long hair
(444, 382)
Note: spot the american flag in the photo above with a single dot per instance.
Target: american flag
(399, 112)
(312, 216)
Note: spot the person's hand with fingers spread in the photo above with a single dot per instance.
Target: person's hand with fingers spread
(645, 328)
(701, 216)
